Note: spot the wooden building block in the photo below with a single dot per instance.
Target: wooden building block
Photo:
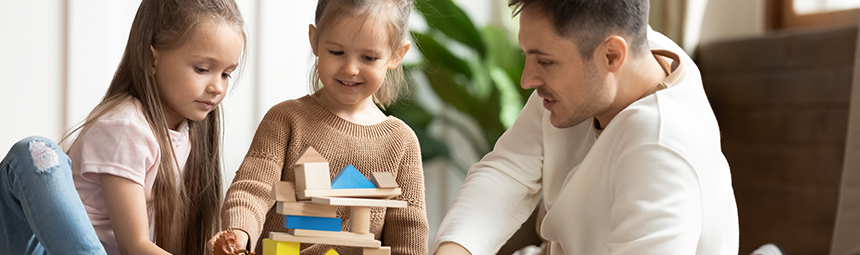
(272, 247)
(312, 223)
(383, 180)
(331, 252)
(306, 209)
(351, 178)
(384, 250)
(325, 240)
(311, 155)
(329, 234)
(359, 219)
(283, 191)
(368, 193)
(358, 202)
(313, 176)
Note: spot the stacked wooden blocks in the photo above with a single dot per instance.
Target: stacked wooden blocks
(310, 206)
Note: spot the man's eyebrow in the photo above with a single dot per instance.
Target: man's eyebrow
(535, 52)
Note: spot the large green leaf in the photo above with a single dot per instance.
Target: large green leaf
(448, 18)
(437, 55)
(445, 85)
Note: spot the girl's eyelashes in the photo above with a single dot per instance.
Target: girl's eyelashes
(369, 58)
(226, 75)
(336, 53)
(200, 70)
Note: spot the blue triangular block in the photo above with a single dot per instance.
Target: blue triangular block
(350, 178)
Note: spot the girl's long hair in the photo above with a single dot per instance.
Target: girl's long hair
(187, 215)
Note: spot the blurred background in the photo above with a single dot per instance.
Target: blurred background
(778, 74)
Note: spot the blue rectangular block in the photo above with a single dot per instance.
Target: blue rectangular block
(312, 223)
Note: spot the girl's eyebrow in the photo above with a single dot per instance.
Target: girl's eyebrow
(341, 46)
(207, 58)
(214, 60)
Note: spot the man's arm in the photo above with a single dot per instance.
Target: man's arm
(500, 191)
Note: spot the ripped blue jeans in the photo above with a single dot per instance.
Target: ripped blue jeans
(40, 210)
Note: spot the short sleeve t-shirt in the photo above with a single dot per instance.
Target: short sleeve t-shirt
(120, 143)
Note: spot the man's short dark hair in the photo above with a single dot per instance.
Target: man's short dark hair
(590, 22)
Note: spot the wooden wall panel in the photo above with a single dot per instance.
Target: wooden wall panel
(782, 104)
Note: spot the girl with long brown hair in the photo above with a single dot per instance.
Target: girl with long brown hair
(146, 163)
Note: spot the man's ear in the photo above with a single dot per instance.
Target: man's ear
(311, 31)
(154, 58)
(399, 54)
(613, 52)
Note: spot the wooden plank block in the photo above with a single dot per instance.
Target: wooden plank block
(283, 192)
(312, 223)
(312, 176)
(330, 234)
(272, 247)
(331, 252)
(383, 180)
(325, 240)
(384, 250)
(311, 155)
(358, 202)
(351, 178)
(368, 193)
(306, 209)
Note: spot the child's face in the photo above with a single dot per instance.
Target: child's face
(192, 79)
(354, 55)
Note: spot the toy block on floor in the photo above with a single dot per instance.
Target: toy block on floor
(358, 202)
(283, 191)
(331, 252)
(311, 176)
(384, 250)
(306, 209)
(351, 178)
(329, 234)
(310, 155)
(312, 223)
(279, 236)
(369, 193)
(272, 247)
(383, 180)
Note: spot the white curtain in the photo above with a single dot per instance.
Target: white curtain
(680, 20)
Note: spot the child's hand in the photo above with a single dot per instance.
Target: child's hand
(229, 242)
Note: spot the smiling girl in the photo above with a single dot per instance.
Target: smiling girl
(359, 45)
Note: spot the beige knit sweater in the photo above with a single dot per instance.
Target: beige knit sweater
(291, 127)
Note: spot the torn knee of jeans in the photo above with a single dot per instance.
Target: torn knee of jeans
(44, 156)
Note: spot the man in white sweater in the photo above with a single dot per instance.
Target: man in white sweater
(618, 139)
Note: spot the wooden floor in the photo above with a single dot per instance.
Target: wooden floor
(782, 104)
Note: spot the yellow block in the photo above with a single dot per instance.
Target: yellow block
(271, 247)
(331, 252)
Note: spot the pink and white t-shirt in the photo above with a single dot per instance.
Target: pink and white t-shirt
(120, 143)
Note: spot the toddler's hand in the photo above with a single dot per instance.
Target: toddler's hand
(229, 242)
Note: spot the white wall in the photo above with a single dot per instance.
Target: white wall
(57, 58)
(727, 19)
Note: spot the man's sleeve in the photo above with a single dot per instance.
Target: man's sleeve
(501, 190)
(657, 207)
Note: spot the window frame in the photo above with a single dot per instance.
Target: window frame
(780, 14)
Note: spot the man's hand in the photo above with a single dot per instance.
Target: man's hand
(228, 242)
(451, 248)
